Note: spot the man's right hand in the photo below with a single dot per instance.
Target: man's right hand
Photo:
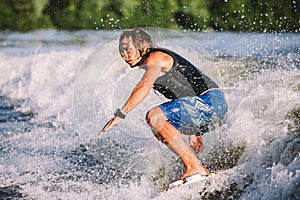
(111, 123)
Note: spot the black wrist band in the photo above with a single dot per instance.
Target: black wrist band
(118, 113)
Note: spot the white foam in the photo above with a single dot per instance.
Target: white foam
(46, 81)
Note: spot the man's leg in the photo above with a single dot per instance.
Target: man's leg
(169, 135)
(196, 143)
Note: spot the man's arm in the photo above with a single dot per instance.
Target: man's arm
(154, 65)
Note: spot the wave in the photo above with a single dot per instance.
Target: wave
(69, 89)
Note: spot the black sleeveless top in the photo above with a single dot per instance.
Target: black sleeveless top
(183, 79)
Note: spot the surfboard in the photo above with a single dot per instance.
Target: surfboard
(188, 181)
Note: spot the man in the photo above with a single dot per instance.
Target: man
(196, 101)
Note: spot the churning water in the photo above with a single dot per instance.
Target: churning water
(58, 89)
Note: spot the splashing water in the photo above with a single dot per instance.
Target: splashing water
(58, 89)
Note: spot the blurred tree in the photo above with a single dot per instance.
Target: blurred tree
(21, 15)
(152, 14)
(219, 12)
(255, 15)
(234, 15)
(8, 20)
(111, 14)
(192, 14)
(73, 14)
(276, 15)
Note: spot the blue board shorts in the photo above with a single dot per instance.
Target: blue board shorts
(194, 115)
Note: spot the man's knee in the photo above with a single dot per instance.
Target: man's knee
(155, 118)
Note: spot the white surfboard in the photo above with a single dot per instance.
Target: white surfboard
(190, 180)
(187, 181)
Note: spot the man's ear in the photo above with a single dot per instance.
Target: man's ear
(145, 47)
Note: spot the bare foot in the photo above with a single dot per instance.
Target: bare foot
(192, 171)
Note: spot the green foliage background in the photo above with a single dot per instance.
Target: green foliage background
(230, 15)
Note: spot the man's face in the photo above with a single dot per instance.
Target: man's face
(129, 52)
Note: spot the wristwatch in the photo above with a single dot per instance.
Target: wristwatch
(118, 113)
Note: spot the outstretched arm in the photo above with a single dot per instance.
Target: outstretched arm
(142, 89)
(155, 64)
(138, 94)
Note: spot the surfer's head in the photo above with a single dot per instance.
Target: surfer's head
(133, 44)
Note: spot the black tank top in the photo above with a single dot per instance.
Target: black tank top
(183, 79)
